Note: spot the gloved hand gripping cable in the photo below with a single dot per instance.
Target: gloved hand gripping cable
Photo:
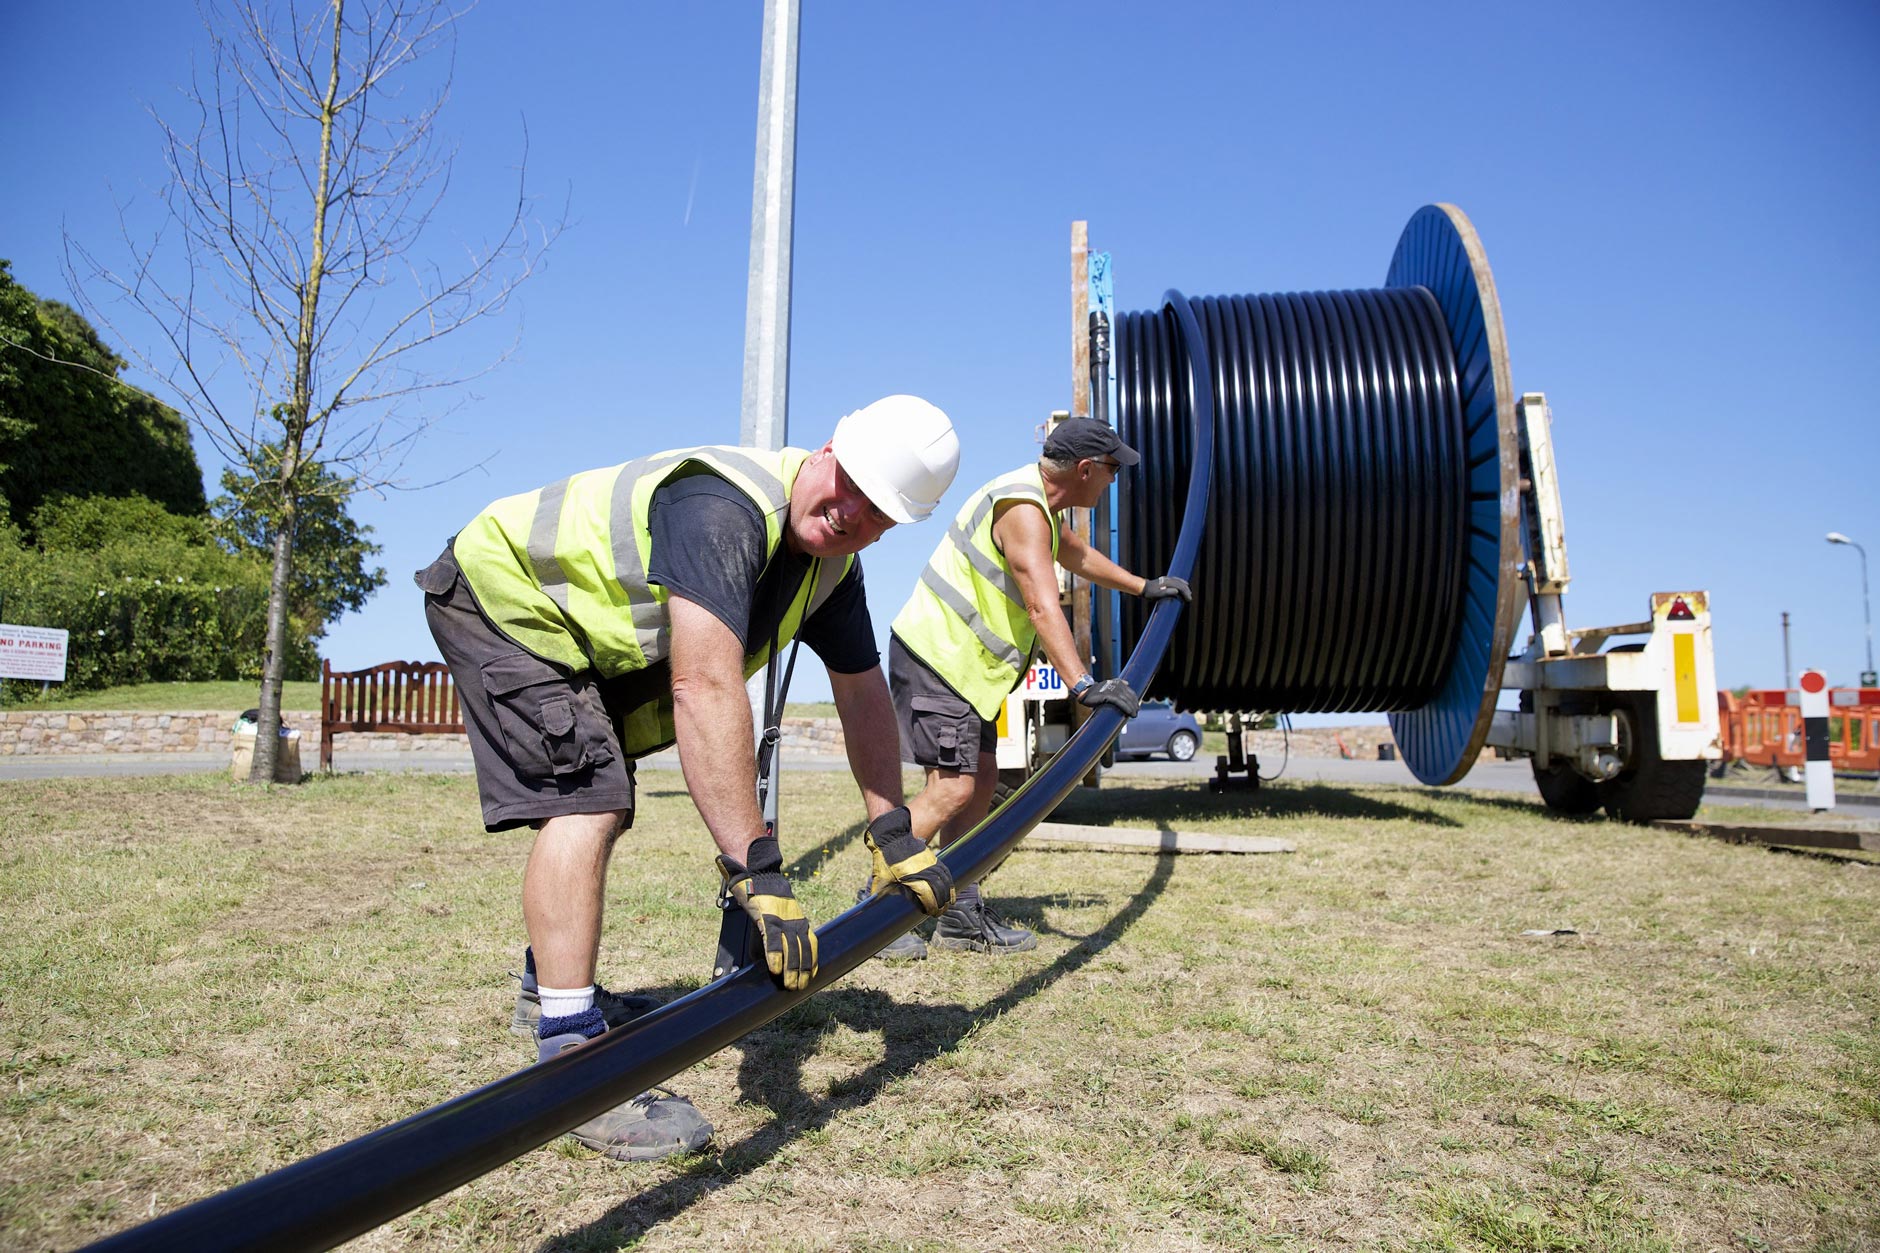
(1116, 693)
(1164, 586)
(903, 859)
(759, 887)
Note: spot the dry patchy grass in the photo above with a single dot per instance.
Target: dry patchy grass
(1350, 1047)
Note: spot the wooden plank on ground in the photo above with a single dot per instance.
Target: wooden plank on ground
(1795, 837)
(1140, 840)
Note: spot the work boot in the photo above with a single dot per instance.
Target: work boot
(975, 926)
(619, 1010)
(656, 1123)
(906, 947)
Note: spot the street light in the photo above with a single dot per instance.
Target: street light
(1867, 678)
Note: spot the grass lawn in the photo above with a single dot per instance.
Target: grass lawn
(1351, 1047)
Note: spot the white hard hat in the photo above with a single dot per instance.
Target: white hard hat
(902, 452)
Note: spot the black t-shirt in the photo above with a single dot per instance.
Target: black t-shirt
(708, 546)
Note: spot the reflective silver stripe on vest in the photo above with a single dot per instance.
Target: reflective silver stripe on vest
(987, 504)
(652, 625)
(543, 528)
(773, 488)
(828, 578)
(1006, 653)
(987, 568)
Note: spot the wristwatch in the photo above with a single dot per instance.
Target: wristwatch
(1082, 685)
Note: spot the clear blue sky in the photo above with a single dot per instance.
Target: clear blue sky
(1678, 201)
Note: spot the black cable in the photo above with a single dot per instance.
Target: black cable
(1331, 575)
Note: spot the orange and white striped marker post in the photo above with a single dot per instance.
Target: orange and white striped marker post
(1818, 772)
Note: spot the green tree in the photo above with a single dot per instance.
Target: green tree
(330, 576)
(147, 595)
(300, 185)
(78, 524)
(69, 427)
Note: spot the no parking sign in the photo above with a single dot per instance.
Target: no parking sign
(32, 653)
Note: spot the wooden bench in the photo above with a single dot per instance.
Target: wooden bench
(412, 697)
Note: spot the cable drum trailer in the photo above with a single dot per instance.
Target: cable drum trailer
(1316, 465)
(1384, 507)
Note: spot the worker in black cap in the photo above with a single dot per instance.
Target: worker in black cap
(986, 601)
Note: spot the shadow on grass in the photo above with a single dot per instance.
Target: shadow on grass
(1520, 803)
(1029, 911)
(1157, 807)
(772, 1073)
(819, 855)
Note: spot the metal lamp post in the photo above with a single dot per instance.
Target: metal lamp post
(1867, 677)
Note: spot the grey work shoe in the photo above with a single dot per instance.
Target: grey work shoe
(657, 1123)
(906, 947)
(618, 1010)
(977, 927)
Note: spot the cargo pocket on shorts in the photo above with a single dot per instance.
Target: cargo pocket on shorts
(940, 729)
(547, 728)
(438, 577)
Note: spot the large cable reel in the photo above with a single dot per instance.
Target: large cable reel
(1363, 548)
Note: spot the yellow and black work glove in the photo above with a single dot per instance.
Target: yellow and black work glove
(1167, 585)
(903, 858)
(1116, 693)
(762, 891)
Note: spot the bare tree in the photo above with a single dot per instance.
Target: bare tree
(286, 254)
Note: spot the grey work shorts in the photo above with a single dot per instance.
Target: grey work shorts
(938, 728)
(543, 740)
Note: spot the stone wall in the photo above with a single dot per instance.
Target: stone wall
(185, 731)
(24, 733)
(813, 735)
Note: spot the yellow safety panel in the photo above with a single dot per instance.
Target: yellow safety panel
(1684, 676)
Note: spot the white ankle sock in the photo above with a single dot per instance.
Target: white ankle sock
(561, 1002)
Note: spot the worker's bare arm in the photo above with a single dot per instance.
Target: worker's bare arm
(872, 737)
(712, 717)
(1087, 563)
(1023, 534)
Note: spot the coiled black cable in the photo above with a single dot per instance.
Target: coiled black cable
(1331, 575)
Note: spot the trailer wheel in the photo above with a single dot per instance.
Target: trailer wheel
(1649, 788)
(1565, 789)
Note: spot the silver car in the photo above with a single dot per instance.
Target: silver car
(1157, 730)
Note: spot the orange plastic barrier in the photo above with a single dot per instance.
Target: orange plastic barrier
(1763, 727)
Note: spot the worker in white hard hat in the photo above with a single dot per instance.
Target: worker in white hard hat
(622, 610)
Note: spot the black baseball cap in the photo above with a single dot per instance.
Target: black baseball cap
(1074, 439)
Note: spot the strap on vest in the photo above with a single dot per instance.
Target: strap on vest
(738, 941)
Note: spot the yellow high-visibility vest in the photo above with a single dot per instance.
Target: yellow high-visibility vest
(966, 619)
(562, 570)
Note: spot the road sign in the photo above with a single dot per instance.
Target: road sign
(28, 652)
(1817, 770)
